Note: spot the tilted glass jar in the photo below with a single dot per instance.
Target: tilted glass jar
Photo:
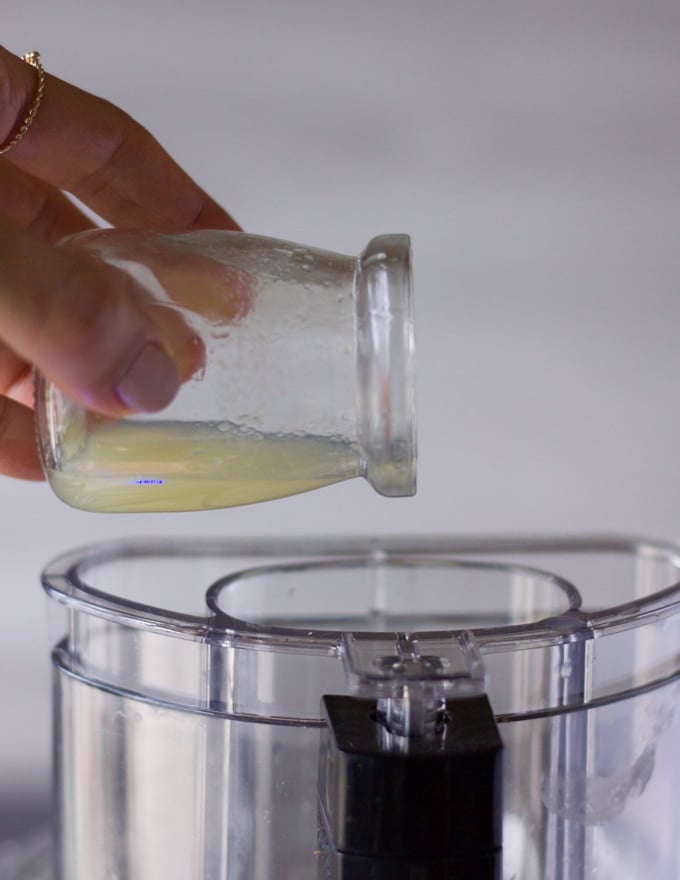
(306, 377)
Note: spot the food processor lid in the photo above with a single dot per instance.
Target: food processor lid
(570, 610)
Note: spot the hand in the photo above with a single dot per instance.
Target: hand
(83, 324)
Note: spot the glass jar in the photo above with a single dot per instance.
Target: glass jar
(306, 377)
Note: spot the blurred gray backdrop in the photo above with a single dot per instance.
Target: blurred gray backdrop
(531, 149)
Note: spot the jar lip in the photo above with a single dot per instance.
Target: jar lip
(385, 343)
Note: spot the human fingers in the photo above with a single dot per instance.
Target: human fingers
(18, 450)
(91, 148)
(88, 327)
(37, 205)
(16, 377)
(190, 277)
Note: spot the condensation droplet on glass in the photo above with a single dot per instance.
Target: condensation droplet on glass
(380, 257)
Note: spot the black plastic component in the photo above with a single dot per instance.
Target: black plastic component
(422, 808)
(335, 865)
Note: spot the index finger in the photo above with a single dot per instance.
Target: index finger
(91, 148)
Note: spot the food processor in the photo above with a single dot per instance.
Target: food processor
(412, 708)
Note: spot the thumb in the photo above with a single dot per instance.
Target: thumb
(89, 327)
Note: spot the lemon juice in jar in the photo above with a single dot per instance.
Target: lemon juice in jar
(172, 466)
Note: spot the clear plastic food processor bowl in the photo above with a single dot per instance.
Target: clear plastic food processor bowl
(402, 708)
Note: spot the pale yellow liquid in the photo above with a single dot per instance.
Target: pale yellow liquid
(170, 466)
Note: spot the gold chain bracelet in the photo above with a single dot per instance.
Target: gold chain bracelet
(32, 58)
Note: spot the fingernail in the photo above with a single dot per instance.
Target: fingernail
(151, 382)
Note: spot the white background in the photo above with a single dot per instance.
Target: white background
(532, 150)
